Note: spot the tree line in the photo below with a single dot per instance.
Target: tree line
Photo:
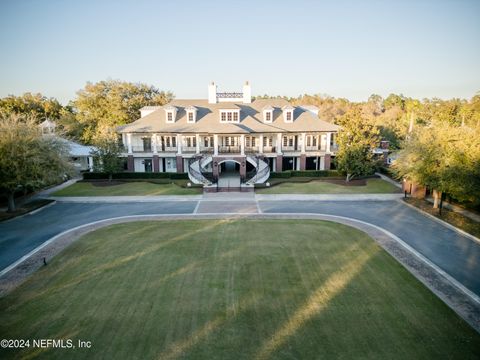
(438, 141)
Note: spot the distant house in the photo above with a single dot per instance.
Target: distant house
(80, 155)
(228, 133)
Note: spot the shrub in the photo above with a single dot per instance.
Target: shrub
(135, 175)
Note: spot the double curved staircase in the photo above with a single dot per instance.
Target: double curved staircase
(198, 173)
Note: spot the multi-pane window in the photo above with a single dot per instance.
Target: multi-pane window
(289, 116)
(267, 141)
(229, 116)
(247, 141)
(190, 117)
(288, 141)
(170, 117)
(190, 141)
(268, 116)
(311, 140)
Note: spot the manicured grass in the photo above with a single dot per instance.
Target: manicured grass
(238, 289)
(373, 186)
(127, 188)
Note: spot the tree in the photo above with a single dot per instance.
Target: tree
(444, 157)
(28, 160)
(107, 104)
(36, 106)
(356, 141)
(106, 156)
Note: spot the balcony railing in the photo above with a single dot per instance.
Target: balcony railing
(229, 149)
(136, 148)
(251, 149)
(189, 149)
(269, 149)
(169, 149)
(288, 148)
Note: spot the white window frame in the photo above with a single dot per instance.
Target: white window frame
(229, 116)
(288, 113)
(267, 113)
(170, 117)
(190, 114)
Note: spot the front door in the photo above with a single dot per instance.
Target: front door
(148, 165)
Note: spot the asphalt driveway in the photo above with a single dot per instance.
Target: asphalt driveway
(456, 254)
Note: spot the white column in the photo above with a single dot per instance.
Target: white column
(304, 141)
(154, 143)
(329, 136)
(242, 144)
(279, 143)
(197, 140)
(260, 146)
(129, 143)
(90, 163)
(179, 144)
(215, 144)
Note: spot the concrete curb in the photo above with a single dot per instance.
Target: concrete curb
(444, 223)
(455, 295)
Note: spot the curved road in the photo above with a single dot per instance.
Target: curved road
(457, 255)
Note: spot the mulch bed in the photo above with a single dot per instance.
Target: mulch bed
(106, 183)
(354, 182)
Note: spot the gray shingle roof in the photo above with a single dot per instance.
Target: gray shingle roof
(208, 119)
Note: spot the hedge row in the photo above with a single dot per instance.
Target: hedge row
(184, 176)
(305, 173)
(135, 175)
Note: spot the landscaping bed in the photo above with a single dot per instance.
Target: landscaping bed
(453, 218)
(25, 208)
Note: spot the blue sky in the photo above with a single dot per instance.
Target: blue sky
(349, 49)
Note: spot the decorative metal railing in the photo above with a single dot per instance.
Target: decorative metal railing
(229, 95)
(260, 172)
(229, 149)
(197, 175)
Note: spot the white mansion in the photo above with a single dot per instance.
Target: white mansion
(228, 132)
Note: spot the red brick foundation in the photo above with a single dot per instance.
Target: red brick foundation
(130, 163)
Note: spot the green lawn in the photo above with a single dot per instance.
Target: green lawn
(128, 188)
(373, 186)
(238, 289)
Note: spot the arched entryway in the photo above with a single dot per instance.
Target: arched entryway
(229, 174)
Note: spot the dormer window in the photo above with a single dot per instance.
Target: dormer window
(229, 116)
(268, 114)
(288, 113)
(191, 114)
(170, 112)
